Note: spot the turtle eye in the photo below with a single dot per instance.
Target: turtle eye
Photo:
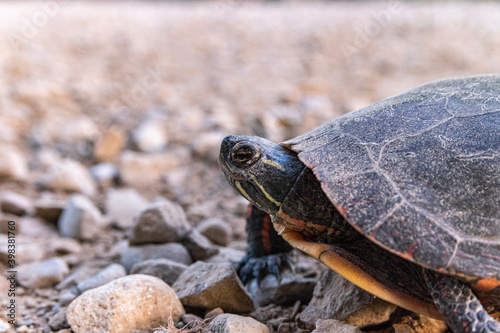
(244, 155)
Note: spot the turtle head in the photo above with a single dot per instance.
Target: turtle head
(262, 171)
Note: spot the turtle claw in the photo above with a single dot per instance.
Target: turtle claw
(258, 267)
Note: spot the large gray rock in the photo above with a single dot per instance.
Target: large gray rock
(161, 222)
(334, 326)
(173, 251)
(165, 269)
(123, 205)
(208, 286)
(230, 323)
(334, 298)
(42, 274)
(129, 304)
(80, 219)
(108, 274)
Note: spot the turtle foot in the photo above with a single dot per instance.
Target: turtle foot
(258, 267)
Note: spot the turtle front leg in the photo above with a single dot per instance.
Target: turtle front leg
(459, 306)
(267, 252)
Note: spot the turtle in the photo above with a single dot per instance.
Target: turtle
(402, 197)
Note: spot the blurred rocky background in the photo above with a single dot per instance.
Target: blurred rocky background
(111, 115)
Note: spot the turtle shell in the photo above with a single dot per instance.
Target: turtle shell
(419, 173)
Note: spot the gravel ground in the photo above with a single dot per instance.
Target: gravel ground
(74, 74)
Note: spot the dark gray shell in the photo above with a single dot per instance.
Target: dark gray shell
(419, 173)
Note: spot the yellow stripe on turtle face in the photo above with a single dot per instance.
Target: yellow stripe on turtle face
(242, 191)
(326, 254)
(268, 196)
(274, 164)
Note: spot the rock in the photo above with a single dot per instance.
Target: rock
(14, 203)
(141, 169)
(105, 174)
(199, 246)
(150, 136)
(128, 304)
(58, 321)
(28, 249)
(216, 230)
(190, 321)
(42, 274)
(334, 326)
(209, 286)
(290, 289)
(4, 326)
(67, 296)
(376, 313)
(173, 251)
(230, 323)
(110, 144)
(108, 274)
(122, 205)
(82, 273)
(80, 218)
(225, 255)
(334, 298)
(69, 175)
(207, 145)
(213, 313)
(63, 246)
(14, 164)
(161, 222)
(49, 208)
(165, 269)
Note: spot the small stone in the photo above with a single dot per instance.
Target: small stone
(82, 273)
(214, 313)
(165, 269)
(63, 246)
(4, 326)
(49, 208)
(290, 289)
(173, 251)
(110, 273)
(139, 169)
(80, 218)
(199, 246)
(42, 274)
(334, 326)
(334, 298)
(128, 304)
(67, 296)
(105, 174)
(110, 144)
(376, 313)
(69, 175)
(209, 286)
(230, 323)
(191, 320)
(14, 203)
(14, 164)
(123, 205)
(28, 249)
(58, 320)
(216, 230)
(150, 136)
(226, 255)
(207, 145)
(161, 222)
